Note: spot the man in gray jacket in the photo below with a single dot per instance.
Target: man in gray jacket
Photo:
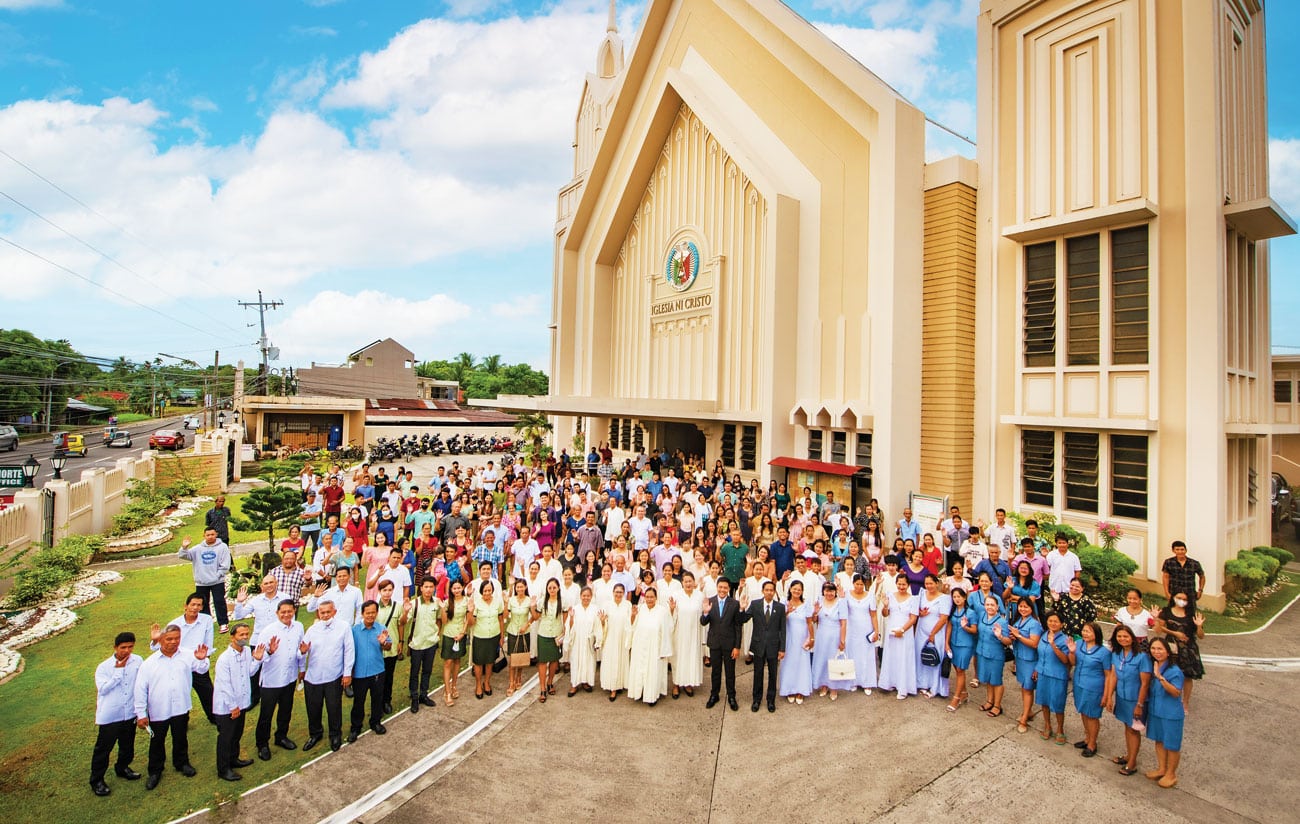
(211, 561)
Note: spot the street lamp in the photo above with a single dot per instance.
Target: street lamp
(221, 420)
(58, 461)
(30, 467)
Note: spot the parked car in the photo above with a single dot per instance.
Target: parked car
(1283, 503)
(120, 439)
(167, 439)
(8, 438)
(71, 443)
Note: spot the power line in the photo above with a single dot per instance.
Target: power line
(114, 292)
(95, 249)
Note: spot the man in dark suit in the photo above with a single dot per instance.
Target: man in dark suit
(722, 616)
(767, 645)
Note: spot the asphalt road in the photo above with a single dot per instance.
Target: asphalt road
(98, 454)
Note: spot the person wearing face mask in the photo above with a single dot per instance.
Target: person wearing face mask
(281, 669)
(232, 697)
(1182, 624)
(115, 713)
(197, 630)
(331, 654)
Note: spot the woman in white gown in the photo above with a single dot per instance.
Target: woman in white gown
(617, 621)
(829, 640)
(688, 637)
(796, 668)
(933, 608)
(569, 594)
(602, 589)
(898, 666)
(583, 635)
(860, 644)
(652, 646)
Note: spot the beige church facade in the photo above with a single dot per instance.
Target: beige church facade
(754, 262)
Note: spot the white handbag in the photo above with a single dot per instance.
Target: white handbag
(841, 668)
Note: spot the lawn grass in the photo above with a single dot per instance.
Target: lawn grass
(192, 528)
(47, 714)
(1219, 623)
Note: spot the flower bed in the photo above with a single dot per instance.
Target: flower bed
(159, 532)
(48, 619)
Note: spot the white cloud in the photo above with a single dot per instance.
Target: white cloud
(23, 5)
(313, 31)
(332, 324)
(903, 58)
(1284, 172)
(524, 306)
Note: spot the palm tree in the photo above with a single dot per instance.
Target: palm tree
(491, 364)
(533, 427)
(462, 366)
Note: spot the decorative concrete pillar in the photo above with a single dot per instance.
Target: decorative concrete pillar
(98, 513)
(62, 500)
(30, 501)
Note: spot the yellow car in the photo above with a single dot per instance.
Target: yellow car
(70, 443)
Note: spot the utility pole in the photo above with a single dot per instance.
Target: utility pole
(216, 389)
(261, 306)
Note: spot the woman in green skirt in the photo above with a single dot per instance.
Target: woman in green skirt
(519, 608)
(487, 624)
(549, 615)
(454, 616)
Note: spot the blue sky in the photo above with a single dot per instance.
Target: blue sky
(384, 167)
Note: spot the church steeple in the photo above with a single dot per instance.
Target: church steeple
(609, 57)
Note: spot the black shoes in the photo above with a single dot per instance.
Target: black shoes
(129, 774)
(242, 762)
(308, 744)
(415, 705)
(388, 709)
(187, 770)
(429, 702)
(352, 736)
(731, 702)
(335, 743)
(286, 744)
(771, 706)
(378, 729)
(753, 707)
(264, 753)
(712, 702)
(347, 691)
(229, 775)
(99, 788)
(152, 780)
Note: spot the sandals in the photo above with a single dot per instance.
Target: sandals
(1021, 727)
(994, 713)
(1046, 735)
(550, 689)
(988, 705)
(950, 708)
(1060, 739)
(1088, 752)
(543, 697)
(573, 691)
(1119, 759)
(1127, 770)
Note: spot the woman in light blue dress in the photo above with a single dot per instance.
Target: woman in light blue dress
(932, 627)
(898, 664)
(1025, 632)
(1052, 675)
(1091, 685)
(829, 637)
(963, 623)
(861, 645)
(1166, 713)
(992, 639)
(796, 667)
(1130, 669)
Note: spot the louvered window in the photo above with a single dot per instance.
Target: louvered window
(814, 445)
(1038, 466)
(728, 444)
(1040, 304)
(1083, 307)
(1128, 474)
(1080, 470)
(1130, 287)
(749, 448)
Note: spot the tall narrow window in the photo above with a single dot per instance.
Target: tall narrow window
(814, 444)
(638, 438)
(728, 444)
(1282, 391)
(1040, 304)
(1038, 466)
(613, 431)
(749, 448)
(1128, 475)
(839, 447)
(1080, 470)
(625, 431)
(863, 455)
(1083, 306)
(1130, 286)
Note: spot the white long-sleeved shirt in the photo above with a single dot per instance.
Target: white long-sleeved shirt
(231, 687)
(162, 687)
(116, 690)
(332, 653)
(260, 607)
(280, 668)
(346, 601)
(193, 635)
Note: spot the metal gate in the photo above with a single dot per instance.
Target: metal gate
(47, 516)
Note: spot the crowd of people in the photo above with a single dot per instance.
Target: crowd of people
(634, 582)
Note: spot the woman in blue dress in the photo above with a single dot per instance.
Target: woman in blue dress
(932, 628)
(861, 647)
(1130, 672)
(829, 636)
(1165, 713)
(1052, 675)
(1091, 686)
(898, 663)
(1026, 632)
(1024, 588)
(992, 638)
(963, 622)
(796, 667)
